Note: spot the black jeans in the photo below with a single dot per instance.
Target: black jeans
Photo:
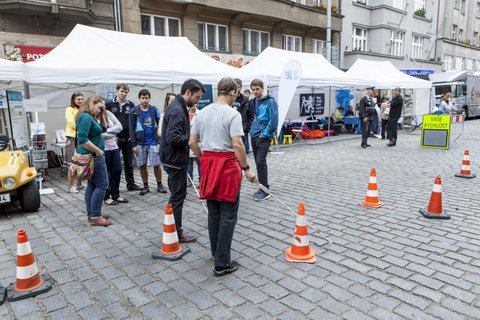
(384, 127)
(177, 183)
(222, 218)
(366, 127)
(392, 128)
(114, 169)
(260, 148)
(126, 147)
(191, 161)
(246, 142)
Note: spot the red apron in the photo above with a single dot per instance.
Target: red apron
(221, 176)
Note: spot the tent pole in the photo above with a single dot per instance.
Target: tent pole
(329, 112)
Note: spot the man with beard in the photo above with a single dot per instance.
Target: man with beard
(175, 150)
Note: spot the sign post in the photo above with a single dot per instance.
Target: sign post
(435, 131)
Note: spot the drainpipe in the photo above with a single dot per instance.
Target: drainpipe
(117, 15)
(329, 31)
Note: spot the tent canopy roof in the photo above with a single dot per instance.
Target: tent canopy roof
(93, 55)
(384, 75)
(448, 76)
(316, 70)
(11, 70)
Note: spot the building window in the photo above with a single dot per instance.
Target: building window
(212, 37)
(292, 43)
(300, 1)
(462, 7)
(255, 41)
(319, 46)
(399, 4)
(476, 40)
(396, 41)
(477, 10)
(448, 62)
(419, 4)
(477, 65)
(456, 4)
(160, 26)
(470, 65)
(454, 32)
(365, 2)
(460, 34)
(417, 47)
(458, 63)
(359, 39)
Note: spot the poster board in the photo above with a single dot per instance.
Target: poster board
(435, 131)
(312, 104)
(207, 97)
(18, 119)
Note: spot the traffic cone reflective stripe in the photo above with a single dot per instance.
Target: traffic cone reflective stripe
(435, 210)
(171, 249)
(300, 251)
(372, 199)
(465, 171)
(29, 283)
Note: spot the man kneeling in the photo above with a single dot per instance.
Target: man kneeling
(222, 159)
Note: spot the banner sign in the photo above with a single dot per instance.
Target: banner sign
(18, 119)
(312, 104)
(289, 80)
(207, 97)
(35, 105)
(32, 53)
(435, 131)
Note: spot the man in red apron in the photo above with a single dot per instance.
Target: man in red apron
(222, 158)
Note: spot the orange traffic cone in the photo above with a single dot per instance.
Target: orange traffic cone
(300, 250)
(29, 281)
(372, 199)
(466, 172)
(171, 249)
(434, 210)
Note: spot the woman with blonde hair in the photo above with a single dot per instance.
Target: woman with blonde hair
(91, 123)
(446, 103)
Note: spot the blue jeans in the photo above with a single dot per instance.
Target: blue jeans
(114, 169)
(246, 142)
(97, 185)
(192, 160)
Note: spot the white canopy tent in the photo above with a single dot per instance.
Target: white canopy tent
(384, 75)
(93, 55)
(448, 76)
(11, 70)
(316, 70)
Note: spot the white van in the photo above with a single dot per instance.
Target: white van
(465, 88)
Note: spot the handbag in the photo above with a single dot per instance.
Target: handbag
(82, 166)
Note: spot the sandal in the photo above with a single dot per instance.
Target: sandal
(111, 202)
(121, 200)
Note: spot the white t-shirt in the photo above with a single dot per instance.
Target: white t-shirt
(215, 125)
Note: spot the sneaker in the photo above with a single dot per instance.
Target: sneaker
(133, 187)
(161, 189)
(256, 193)
(220, 271)
(72, 190)
(144, 191)
(262, 196)
(81, 187)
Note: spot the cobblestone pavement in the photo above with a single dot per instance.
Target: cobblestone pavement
(387, 263)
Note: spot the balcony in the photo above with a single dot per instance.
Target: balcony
(78, 10)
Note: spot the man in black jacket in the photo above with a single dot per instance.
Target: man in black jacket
(396, 105)
(174, 148)
(366, 112)
(245, 108)
(120, 107)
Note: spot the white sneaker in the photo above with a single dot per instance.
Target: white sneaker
(72, 190)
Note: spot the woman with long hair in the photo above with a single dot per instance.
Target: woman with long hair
(446, 103)
(76, 101)
(91, 123)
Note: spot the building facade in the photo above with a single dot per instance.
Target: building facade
(31, 28)
(400, 31)
(236, 31)
(458, 29)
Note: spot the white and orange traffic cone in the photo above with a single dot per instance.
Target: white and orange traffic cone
(434, 210)
(29, 281)
(372, 199)
(300, 251)
(171, 249)
(466, 172)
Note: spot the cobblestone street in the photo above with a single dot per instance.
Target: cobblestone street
(386, 263)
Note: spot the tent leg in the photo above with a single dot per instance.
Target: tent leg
(328, 110)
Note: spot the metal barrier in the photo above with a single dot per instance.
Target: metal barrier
(457, 126)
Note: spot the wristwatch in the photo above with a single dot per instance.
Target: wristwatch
(246, 168)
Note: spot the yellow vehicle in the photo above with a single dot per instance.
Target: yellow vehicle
(17, 178)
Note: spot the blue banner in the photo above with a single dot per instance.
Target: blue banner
(207, 97)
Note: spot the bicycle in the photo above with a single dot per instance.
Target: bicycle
(409, 123)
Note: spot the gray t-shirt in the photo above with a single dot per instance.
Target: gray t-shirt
(215, 125)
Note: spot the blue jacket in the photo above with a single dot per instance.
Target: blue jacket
(135, 119)
(266, 117)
